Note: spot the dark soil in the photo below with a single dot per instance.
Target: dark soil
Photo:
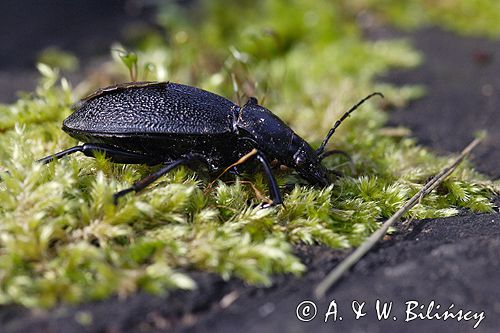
(463, 95)
(450, 261)
(87, 29)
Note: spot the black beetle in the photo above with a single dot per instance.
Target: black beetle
(173, 124)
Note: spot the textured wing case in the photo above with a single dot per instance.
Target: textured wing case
(152, 108)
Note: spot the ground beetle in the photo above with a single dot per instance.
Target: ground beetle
(175, 124)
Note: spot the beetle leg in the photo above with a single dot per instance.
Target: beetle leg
(116, 155)
(273, 185)
(338, 152)
(144, 182)
(90, 149)
(60, 154)
(325, 154)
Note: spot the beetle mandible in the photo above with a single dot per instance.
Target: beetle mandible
(175, 124)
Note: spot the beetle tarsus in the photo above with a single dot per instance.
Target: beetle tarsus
(265, 205)
(270, 204)
(121, 193)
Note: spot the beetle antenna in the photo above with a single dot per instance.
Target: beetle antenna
(319, 151)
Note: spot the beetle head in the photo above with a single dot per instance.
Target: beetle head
(306, 162)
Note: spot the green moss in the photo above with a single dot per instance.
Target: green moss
(55, 57)
(63, 240)
(477, 17)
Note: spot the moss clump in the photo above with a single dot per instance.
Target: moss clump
(63, 240)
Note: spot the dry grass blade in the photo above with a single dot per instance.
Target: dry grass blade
(354, 257)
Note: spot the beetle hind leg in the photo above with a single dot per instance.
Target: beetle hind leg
(90, 149)
(50, 158)
(149, 179)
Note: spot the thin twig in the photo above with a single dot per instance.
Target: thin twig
(242, 160)
(354, 257)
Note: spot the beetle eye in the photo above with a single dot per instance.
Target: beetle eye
(299, 158)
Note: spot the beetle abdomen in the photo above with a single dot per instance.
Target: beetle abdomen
(153, 108)
(218, 150)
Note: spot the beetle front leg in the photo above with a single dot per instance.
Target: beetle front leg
(273, 184)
